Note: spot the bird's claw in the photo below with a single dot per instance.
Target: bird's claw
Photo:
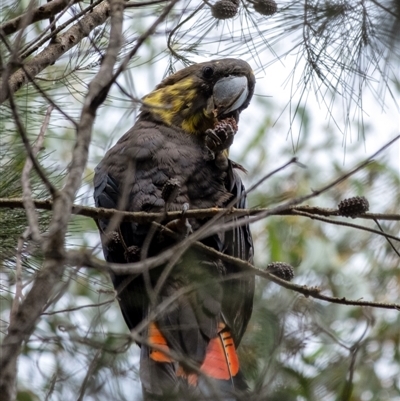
(185, 208)
(132, 254)
(181, 226)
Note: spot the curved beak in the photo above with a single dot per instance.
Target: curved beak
(230, 93)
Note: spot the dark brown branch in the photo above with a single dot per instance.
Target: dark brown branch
(388, 240)
(313, 292)
(31, 213)
(295, 201)
(144, 217)
(18, 274)
(90, 371)
(142, 38)
(352, 225)
(54, 51)
(87, 259)
(38, 14)
(43, 38)
(68, 310)
(144, 3)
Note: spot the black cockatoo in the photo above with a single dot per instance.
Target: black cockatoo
(176, 157)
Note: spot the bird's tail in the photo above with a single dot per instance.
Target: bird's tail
(218, 377)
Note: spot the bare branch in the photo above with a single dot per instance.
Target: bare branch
(87, 259)
(313, 292)
(145, 217)
(82, 306)
(33, 223)
(26, 187)
(38, 14)
(346, 224)
(54, 51)
(18, 275)
(388, 239)
(143, 3)
(43, 38)
(142, 38)
(295, 201)
(91, 369)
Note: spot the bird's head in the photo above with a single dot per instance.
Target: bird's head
(197, 97)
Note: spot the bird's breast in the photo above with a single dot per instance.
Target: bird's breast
(150, 155)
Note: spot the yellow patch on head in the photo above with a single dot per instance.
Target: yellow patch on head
(173, 104)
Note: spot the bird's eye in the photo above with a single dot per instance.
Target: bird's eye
(208, 72)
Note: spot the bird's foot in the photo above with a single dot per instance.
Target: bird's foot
(113, 240)
(181, 226)
(132, 254)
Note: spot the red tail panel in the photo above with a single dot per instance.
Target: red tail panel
(156, 338)
(221, 360)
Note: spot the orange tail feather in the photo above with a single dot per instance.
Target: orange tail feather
(155, 337)
(221, 361)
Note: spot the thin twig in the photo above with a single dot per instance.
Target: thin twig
(28, 148)
(387, 237)
(18, 275)
(141, 39)
(29, 205)
(313, 292)
(89, 373)
(352, 225)
(68, 310)
(293, 202)
(144, 3)
(354, 349)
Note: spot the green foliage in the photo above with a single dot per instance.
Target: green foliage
(13, 221)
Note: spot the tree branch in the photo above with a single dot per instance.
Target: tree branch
(145, 217)
(38, 14)
(43, 38)
(26, 186)
(54, 51)
(53, 268)
(87, 259)
(346, 224)
(313, 292)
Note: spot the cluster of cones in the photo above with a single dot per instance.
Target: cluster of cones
(225, 9)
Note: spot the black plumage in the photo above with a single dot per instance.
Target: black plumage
(159, 150)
